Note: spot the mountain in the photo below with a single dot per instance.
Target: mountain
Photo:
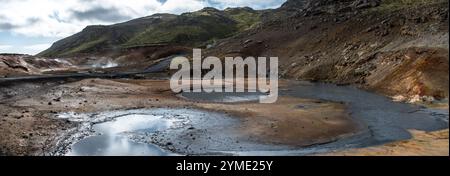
(189, 29)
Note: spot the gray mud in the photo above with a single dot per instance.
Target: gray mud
(196, 132)
(159, 132)
(386, 120)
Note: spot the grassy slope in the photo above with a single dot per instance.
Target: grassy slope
(189, 29)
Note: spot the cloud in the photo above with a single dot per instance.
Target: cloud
(27, 25)
(56, 18)
(5, 47)
(101, 14)
(257, 4)
(37, 47)
(27, 49)
(7, 26)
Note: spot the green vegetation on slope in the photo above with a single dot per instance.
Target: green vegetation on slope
(245, 17)
(189, 29)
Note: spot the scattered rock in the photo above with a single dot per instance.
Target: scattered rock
(364, 4)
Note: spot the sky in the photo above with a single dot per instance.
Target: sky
(31, 26)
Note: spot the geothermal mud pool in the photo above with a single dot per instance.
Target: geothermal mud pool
(143, 117)
(175, 131)
(112, 137)
(158, 132)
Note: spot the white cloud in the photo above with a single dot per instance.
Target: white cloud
(258, 4)
(38, 47)
(5, 47)
(56, 18)
(29, 23)
(34, 49)
(27, 49)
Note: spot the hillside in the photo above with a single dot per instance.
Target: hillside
(397, 48)
(189, 29)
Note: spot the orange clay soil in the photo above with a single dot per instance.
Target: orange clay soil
(422, 144)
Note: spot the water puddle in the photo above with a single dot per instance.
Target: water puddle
(151, 132)
(111, 138)
(223, 97)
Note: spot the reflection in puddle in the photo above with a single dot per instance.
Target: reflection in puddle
(111, 145)
(134, 123)
(154, 132)
(112, 139)
(224, 97)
